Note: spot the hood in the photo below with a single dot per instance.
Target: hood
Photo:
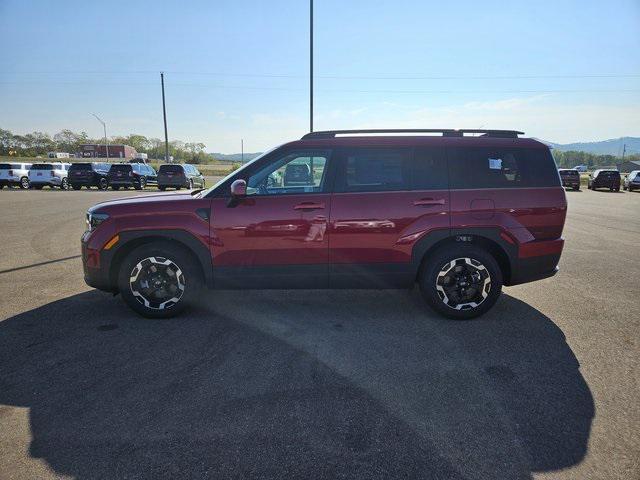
(144, 201)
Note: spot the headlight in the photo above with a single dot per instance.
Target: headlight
(95, 219)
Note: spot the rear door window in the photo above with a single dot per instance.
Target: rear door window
(471, 168)
(374, 170)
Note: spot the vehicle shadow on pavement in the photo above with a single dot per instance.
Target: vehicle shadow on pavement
(295, 384)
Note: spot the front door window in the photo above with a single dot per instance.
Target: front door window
(296, 173)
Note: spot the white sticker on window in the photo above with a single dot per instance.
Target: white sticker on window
(495, 163)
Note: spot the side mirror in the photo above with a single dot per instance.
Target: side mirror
(239, 188)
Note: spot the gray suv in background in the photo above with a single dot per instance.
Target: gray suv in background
(178, 176)
(14, 174)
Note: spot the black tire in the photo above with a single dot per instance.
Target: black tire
(103, 183)
(75, 186)
(140, 184)
(190, 184)
(178, 188)
(64, 184)
(1, 186)
(24, 183)
(162, 189)
(476, 259)
(149, 255)
(115, 187)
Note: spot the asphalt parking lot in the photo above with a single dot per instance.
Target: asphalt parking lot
(308, 384)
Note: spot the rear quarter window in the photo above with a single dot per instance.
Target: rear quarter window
(471, 168)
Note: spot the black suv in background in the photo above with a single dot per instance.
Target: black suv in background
(605, 178)
(178, 176)
(89, 175)
(570, 178)
(136, 175)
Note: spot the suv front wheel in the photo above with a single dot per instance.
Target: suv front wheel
(159, 280)
(461, 281)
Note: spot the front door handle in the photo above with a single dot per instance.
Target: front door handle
(309, 206)
(428, 202)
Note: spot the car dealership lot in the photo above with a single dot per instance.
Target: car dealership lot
(334, 384)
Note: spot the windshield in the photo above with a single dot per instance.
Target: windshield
(206, 192)
(121, 168)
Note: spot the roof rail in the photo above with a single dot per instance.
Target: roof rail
(446, 132)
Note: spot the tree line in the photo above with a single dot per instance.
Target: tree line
(39, 143)
(572, 159)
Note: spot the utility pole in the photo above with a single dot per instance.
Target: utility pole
(106, 142)
(624, 149)
(164, 114)
(242, 150)
(311, 65)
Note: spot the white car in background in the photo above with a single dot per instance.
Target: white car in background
(14, 174)
(50, 174)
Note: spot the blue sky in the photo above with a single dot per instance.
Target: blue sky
(559, 70)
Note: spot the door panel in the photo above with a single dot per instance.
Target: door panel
(392, 204)
(372, 235)
(271, 241)
(276, 236)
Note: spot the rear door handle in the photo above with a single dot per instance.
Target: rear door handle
(309, 206)
(429, 202)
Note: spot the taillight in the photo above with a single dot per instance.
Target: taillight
(131, 174)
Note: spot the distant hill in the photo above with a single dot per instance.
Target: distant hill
(605, 147)
(235, 157)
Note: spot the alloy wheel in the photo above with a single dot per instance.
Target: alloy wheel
(463, 283)
(157, 283)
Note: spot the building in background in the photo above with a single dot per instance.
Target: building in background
(91, 150)
(628, 166)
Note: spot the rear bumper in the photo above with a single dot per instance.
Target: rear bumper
(122, 183)
(536, 260)
(571, 183)
(172, 183)
(10, 181)
(55, 181)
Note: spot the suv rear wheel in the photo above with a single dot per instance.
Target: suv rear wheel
(159, 280)
(24, 183)
(103, 183)
(461, 281)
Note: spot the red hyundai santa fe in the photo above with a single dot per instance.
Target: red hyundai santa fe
(459, 212)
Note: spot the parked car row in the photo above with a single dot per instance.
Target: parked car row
(99, 174)
(601, 178)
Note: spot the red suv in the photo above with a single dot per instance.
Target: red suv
(459, 215)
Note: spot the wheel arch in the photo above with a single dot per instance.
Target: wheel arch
(488, 239)
(180, 238)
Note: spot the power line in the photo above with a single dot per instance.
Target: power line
(339, 77)
(288, 89)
